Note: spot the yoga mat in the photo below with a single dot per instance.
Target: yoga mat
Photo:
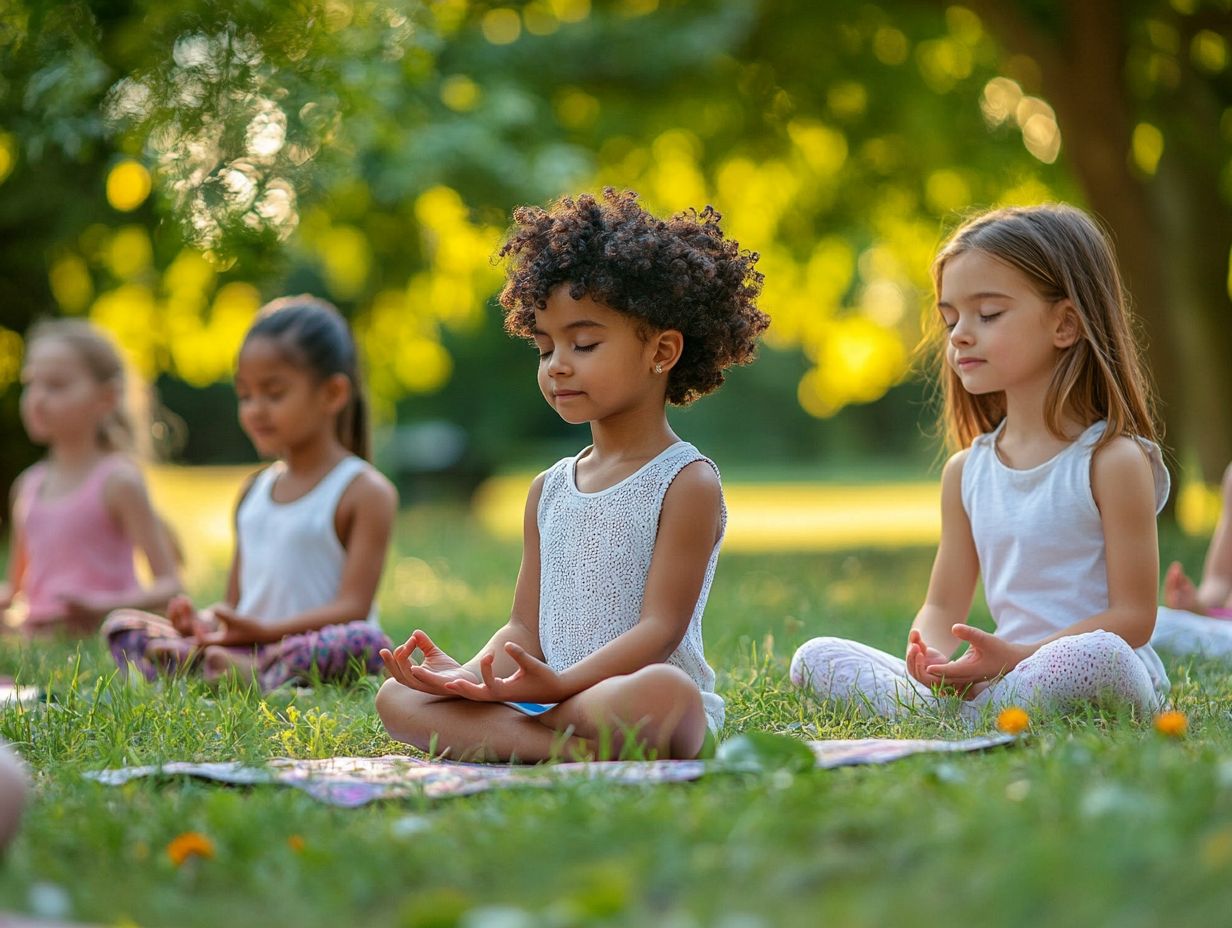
(356, 781)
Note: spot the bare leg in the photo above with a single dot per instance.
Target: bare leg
(658, 709)
(12, 794)
(461, 729)
(658, 706)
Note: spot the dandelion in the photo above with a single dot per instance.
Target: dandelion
(1172, 723)
(296, 843)
(1013, 720)
(189, 844)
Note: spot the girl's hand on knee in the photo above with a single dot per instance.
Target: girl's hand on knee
(182, 615)
(238, 630)
(533, 681)
(430, 675)
(986, 658)
(919, 656)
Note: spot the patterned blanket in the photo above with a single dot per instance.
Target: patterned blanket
(355, 781)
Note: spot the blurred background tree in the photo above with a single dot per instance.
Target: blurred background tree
(165, 167)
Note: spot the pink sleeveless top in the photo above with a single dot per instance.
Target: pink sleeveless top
(73, 545)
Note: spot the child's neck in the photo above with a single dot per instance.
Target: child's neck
(314, 457)
(74, 456)
(636, 434)
(1026, 440)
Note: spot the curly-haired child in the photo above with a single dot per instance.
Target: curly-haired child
(602, 653)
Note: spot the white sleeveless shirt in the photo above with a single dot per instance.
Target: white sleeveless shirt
(594, 555)
(1040, 540)
(290, 556)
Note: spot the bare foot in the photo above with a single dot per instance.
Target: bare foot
(170, 653)
(1180, 592)
(220, 662)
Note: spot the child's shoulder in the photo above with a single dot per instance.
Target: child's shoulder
(1127, 463)
(371, 487)
(120, 475)
(697, 482)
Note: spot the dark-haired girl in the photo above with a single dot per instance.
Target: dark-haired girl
(312, 529)
(603, 647)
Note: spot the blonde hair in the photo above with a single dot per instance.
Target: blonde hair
(101, 358)
(1066, 256)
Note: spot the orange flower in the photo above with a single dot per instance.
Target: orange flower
(1013, 721)
(296, 843)
(1172, 723)
(189, 844)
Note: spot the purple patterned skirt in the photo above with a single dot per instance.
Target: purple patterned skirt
(334, 653)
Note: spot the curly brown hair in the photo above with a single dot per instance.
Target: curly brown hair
(678, 273)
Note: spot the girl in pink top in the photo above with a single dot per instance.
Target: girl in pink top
(79, 514)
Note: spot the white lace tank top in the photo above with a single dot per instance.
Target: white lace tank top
(290, 557)
(1040, 539)
(594, 555)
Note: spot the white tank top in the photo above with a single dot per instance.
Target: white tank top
(1040, 539)
(594, 555)
(290, 556)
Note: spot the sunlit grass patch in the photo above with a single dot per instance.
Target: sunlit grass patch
(779, 516)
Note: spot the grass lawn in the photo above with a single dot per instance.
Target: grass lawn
(1093, 821)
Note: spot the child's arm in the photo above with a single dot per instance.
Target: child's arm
(17, 549)
(125, 497)
(951, 585)
(1124, 491)
(365, 521)
(522, 630)
(688, 529)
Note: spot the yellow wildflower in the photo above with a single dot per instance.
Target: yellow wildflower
(1172, 723)
(1013, 720)
(296, 843)
(189, 844)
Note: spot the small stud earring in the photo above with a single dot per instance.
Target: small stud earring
(658, 368)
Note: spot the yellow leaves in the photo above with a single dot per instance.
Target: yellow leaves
(10, 357)
(71, 283)
(460, 93)
(575, 109)
(857, 362)
(570, 11)
(674, 177)
(890, 45)
(824, 149)
(399, 335)
(501, 26)
(128, 185)
(1198, 506)
(346, 260)
(8, 155)
(129, 252)
(422, 365)
(943, 63)
(946, 191)
(1146, 147)
(1209, 51)
(130, 314)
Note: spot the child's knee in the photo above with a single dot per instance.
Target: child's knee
(811, 658)
(664, 684)
(401, 710)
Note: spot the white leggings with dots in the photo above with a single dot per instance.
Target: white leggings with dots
(1096, 668)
